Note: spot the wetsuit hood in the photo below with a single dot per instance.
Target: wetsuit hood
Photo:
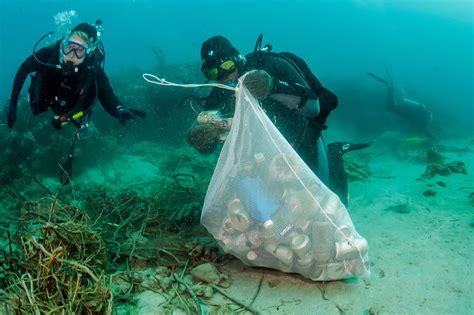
(88, 29)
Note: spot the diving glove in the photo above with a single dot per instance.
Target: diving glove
(259, 83)
(124, 114)
(11, 115)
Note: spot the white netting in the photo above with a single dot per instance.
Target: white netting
(266, 207)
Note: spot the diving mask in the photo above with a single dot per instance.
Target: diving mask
(218, 69)
(79, 50)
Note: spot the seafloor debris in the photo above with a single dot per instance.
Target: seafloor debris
(356, 171)
(208, 273)
(444, 169)
(402, 207)
(433, 156)
(402, 204)
(60, 268)
(93, 249)
(471, 198)
(441, 183)
(429, 193)
(100, 258)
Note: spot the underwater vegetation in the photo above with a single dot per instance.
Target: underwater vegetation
(101, 247)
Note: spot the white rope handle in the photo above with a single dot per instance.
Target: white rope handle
(159, 81)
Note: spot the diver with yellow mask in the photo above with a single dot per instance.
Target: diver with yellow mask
(291, 95)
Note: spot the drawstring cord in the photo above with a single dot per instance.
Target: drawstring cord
(163, 82)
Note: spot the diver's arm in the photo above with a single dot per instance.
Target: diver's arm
(28, 66)
(106, 95)
(296, 96)
(111, 103)
(312, 105)
(284, 78)
(222, 100)
(282, 87)
(328, 101)
(290, 88)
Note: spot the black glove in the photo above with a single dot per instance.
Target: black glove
(11, 115)
(125, 114)
(259, 83)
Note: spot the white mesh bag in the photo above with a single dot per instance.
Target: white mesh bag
(266, 207)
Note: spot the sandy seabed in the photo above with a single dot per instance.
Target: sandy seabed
(420, 235)
(420, 247)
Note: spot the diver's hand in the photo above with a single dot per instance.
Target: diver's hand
(125, 114)
(11, 115)
(259, 83)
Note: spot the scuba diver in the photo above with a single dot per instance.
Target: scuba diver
(416, 113)
(69, 77)
(294, 99)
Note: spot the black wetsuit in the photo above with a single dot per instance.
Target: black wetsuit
(415, 113)
(291, 76)
(64, 94)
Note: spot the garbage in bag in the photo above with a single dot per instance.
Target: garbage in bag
(266, 207)
(209, 129)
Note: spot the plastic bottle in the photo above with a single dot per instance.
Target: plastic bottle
(256, 198)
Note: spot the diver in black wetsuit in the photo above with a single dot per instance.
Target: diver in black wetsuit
(294, 99)
(414, 112)
(69, 77)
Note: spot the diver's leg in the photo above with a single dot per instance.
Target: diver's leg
(313, 152)
(323, 164)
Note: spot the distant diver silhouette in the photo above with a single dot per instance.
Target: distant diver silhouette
(414, 112)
